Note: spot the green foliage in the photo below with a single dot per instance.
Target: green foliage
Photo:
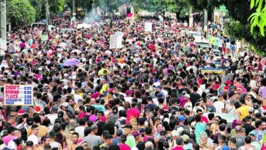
(258, 18)
(20, 12)
(85, 4)
(56, 6)
(37, 5)
(239, 11)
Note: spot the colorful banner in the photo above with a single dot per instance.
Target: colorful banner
(18, 95)
(212, 70)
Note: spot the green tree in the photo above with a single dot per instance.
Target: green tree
(85, 4)
(20, 12)
(258, 18)
(56, 6)
(239, 11)
(180, 7)
(37, 5)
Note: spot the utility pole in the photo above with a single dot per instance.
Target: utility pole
(74, 7)
(191, 17)
(47, 14)
(3, 46)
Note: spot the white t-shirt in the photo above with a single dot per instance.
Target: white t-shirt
(219, 106)
(52, 118)
(34, 139)
(80, 131)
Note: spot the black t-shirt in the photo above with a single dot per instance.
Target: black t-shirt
(184, 89)
(194, 97)
(248, 128)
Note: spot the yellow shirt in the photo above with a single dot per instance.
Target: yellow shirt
(43, 130)
(104, 88)
(243, 111)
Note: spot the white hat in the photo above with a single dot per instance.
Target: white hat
(64, 104)
(187, 95)
(65, 75)
(175, 133)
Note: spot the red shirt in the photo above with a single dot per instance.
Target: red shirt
(151, 47)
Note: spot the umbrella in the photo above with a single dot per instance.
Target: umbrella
(71, 62)
(102, 70)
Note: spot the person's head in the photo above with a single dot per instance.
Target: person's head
(29, 144)
(232, 142)
(10, 130)
(34, 129)
(31, 109)
(179, 141)
(149, 145)
(52, 135)
(75, 137)
(203, 138)
(94, 129)
(258, 124)
(222, 127)
(221, 139)
(85, 145)
(148, 131)
(108, 138)
(252, 135)
(127, 129)
(114, 147)
(247, 139)
(99, 114)
(79, 148)
(17, 133)
(159, 127)
(47, 147)
(123, 138)
(248, 120)
(45, 140)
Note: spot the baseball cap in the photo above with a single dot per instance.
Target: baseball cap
(187, 95)
(21, 112)
(136, 133)
(181, 118)
(185, 138)
(252, 133)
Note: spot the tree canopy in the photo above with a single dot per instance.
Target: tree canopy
(20, 12)
(239, 11)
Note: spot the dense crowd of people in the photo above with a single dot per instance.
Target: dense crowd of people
(151, 94)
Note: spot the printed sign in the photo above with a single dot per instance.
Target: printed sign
(113, 41)
(148, 27)
(116, 40)
(44, 37)
(18, 95)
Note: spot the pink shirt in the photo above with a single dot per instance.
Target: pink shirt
(124, 147)
(178, 148)
(7, 139)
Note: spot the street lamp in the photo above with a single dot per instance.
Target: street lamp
(3, 30)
